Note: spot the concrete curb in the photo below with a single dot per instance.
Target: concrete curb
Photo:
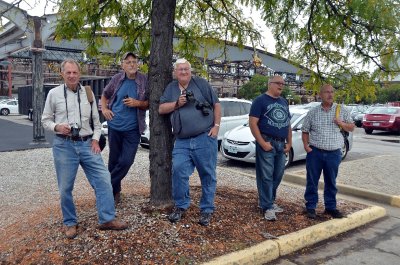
(392, 200)
(272, 249)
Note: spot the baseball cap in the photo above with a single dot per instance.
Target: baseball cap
(128, 54)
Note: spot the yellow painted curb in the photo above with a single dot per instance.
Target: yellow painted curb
(314, 234)
(272, 249)
(395, 201)
(258, 254)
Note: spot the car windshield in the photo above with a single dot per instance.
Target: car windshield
(295, 116)
(384, 111)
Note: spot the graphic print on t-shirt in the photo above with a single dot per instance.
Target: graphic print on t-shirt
(277, 116)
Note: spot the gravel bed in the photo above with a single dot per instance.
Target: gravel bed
(28, 182)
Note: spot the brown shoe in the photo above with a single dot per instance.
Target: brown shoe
(117, 198)
(113, 225)
(71, 231)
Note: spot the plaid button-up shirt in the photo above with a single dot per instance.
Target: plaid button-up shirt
(323, 132)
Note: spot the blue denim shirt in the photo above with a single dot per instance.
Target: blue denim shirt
(112, 87)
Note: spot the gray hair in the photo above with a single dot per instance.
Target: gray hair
(322, 88)
(273, 78)
(181, 61)
(71, 61)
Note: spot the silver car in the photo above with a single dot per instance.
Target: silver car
(239, 143)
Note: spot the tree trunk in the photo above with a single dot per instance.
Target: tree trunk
(160, 74)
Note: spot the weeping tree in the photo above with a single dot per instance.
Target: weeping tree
(336, 39)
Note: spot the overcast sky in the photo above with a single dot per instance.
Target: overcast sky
(38, 8)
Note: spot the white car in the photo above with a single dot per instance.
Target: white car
(9, 107)
(239, 143)
(234, 112)
(104, 128)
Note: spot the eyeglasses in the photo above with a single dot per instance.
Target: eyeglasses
(183, 69)
(278, 83)
(130, 62)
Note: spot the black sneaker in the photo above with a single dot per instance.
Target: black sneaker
(334, 213)
(205, 219)
(311, 213)
(176, 215)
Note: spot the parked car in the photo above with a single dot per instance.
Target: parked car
(9, 107)
(239, 143)
(356, 109)
(382, 119)
(234, 112)
(358, 119)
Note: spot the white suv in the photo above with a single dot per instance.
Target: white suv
(234, 112)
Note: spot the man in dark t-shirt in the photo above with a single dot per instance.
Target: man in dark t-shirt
(269, 121)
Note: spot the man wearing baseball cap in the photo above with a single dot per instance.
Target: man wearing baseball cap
(124, 102)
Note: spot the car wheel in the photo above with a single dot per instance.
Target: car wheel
(4, 112)
(368, 131)
(345, 149)
(289, 158)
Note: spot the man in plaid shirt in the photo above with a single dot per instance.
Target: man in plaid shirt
(323, 141)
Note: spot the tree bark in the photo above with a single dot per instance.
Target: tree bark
(160, 74)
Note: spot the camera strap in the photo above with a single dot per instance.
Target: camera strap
(79, 103)
(202, 93)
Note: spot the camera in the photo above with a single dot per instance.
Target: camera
(75, 129)
(190, 96)
(204, 107)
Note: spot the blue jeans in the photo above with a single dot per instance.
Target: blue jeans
(68, 155)
(123, 148)
(317, 161)
(270, 167)
(200, 152)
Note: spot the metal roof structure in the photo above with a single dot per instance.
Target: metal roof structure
(17, 39)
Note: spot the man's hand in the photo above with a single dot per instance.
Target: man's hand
(63, 128)
(107, 113)
(266, 146)
(214, 132)
(287, 148)
(95, 147)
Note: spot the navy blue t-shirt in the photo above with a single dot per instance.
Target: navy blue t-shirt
(273, 114)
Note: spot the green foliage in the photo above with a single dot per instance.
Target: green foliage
(200, 25)
(332, 37)
(388, 93)
(255, 87)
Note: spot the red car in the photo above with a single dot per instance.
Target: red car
(382, 119)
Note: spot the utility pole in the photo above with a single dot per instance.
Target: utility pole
(37, 81)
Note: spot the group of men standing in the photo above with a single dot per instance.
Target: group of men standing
(195, 114)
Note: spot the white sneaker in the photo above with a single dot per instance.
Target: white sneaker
(269, 215)
(276, 208)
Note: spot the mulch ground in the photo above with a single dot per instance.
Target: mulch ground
(151, 238)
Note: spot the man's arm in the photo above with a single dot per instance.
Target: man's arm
(305, 137)
(168, 107)
(217, 121)
(289, 140)
(253, 124)
(107, 113)
(134, 103)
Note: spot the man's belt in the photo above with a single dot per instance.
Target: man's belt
(75, 139)
(275, 138)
